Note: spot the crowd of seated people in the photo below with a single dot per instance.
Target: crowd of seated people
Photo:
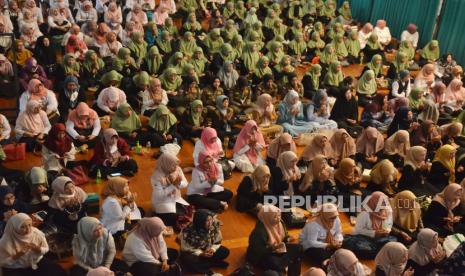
(253, 77)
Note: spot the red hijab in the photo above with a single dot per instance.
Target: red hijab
(245, 137)
(211, 172)
(56, 144)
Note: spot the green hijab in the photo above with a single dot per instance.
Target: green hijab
(237, 45)
(228, 10)
(334, 77)
(345, 11)
(192, 22)
(73, 68)
(226, 52)
(262, 68)
(335, 30)
(340, 46)
(315, 73)
(185, 71)
(110, 77)
(141, 79)
(279, 28)
(415, 98)
(124, 123)
(276, 53)
(367, 83)
(316, 42)
(153, 60)
(373, 42)
(240, 10)
(401, 62)
(329, 9)
(298, 44)
(285, 65)
(119, 62)
(431, 51)
(164, 43)
(250, 56)
(213, 41)
(318, 27)
(408, 49)
(162, 120)
(353, 44)
(138, 48)
(269, 19)
(373, 65)
(230, 30)
(167, 83)
(292, 11)
(328, 55)
(198, 62)
(89, 63)
(196, 116)
(170, 27)
(172, 62)
(296, 26)
(186, 45)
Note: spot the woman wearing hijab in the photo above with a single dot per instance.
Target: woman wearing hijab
(430, 53)
(392, 259)
(32, 125)
(312, 81)
(206, 187)
(287, 176)
(369, 147)
(270, 246)
(76, 47)
(315, 45)
(37, 182)
(170, 80)
(127, 123)
(455, 96)
(6, 74)
(383, 177)
(373, 47)
(403, 120)
(321, 237)
(334, 76)
(58, 151)
(93, 69)
(400, 63)
(318, 179)
(33, 70)
(83, 125)
(163, 127)
(250, 57)
(318, 112)
(342, 145)
(372, 228)
(192, 25)
(67, 204)
(406, 215)
(111, 155)
(10, 206)
(426, 254)
(201, 248)
(347, 178)
(109, 100)
(208, 142)
(280, 144)
(194, 121)
(443, 168)
(414, 173)
(252, 190)
(225, 54)
(396, 146)
(265, 116)
(23, 248)
(229, 76)
(119, 212)
(426, 76)
(223, 120)
(443, 214)
(319, 144)
(298, 47)
(70, 96)
(248, 147)
(451, 133)
(167, 181)
(145, 250)
(38, 92)
(366, 88)
(21, 54)
(345, 112)
(428, 136)
(344, 262)
(93, 247)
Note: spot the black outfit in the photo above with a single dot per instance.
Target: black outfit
(370, 52)
(118, 266)
(45, 55)
(413, 179)
(210, 201)
(61, 218)
(400, 121)
(157, 139)
(187, 125)
(277, 185)
(44, 267)
(247, 199)
(319, 188)
(309, 88)
(346, 109)
(65, 104)
(224, 128)
(439, 175)
(152, 269)
(434, 218)
(420, 270)
(402, 88)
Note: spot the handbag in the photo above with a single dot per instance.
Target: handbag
(15, 152)
(77, 174)
(227, 169)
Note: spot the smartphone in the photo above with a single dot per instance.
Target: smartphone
(41, 215)
(115, 174)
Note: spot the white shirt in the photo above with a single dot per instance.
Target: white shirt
(135, 250)
(363, 38)
(20, 128)
(406, 36)
(364, 227)
(114, 216)
(52, 163)
(49, 102)
(395, 89)
(384, 35)
(24, 261)
(73, 133)
(6, 129)
(200, 185)
(200, 147)
(147, 100)
(164, 198)
(106, 52)
(313, 235)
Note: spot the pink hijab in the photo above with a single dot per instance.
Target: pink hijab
(381, 215)
(6, 68)
(149, 230)
(37, 93)
(392, 258)
(213, 149)
(276, 146)
(245, 137)
(113, 97)
(370, 142)
(32, 122)
(82, 109)
(210, 172)
(100, 271)
(343, 145)
(426, 74)
(455, 91)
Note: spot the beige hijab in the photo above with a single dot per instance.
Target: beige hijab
(383, 172)
(447, 197)
(342, 145)
(290, 173)
(370, 142)
(392, 258)
(316, 147)
(315, 170)
(276, 232)
(415, 157)
(426, 248)
(60, 199)
(258, 177)
(406, 211)
(348, 172)
(398, 143)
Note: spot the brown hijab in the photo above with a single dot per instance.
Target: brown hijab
(319, 144)
(342, 144)
(370, 142)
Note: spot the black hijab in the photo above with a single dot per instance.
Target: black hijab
(344, 109)
(19, 206)
(45, 55)
(400, 121)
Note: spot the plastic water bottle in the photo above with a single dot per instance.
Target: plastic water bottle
(137, 147)
(98, 179)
